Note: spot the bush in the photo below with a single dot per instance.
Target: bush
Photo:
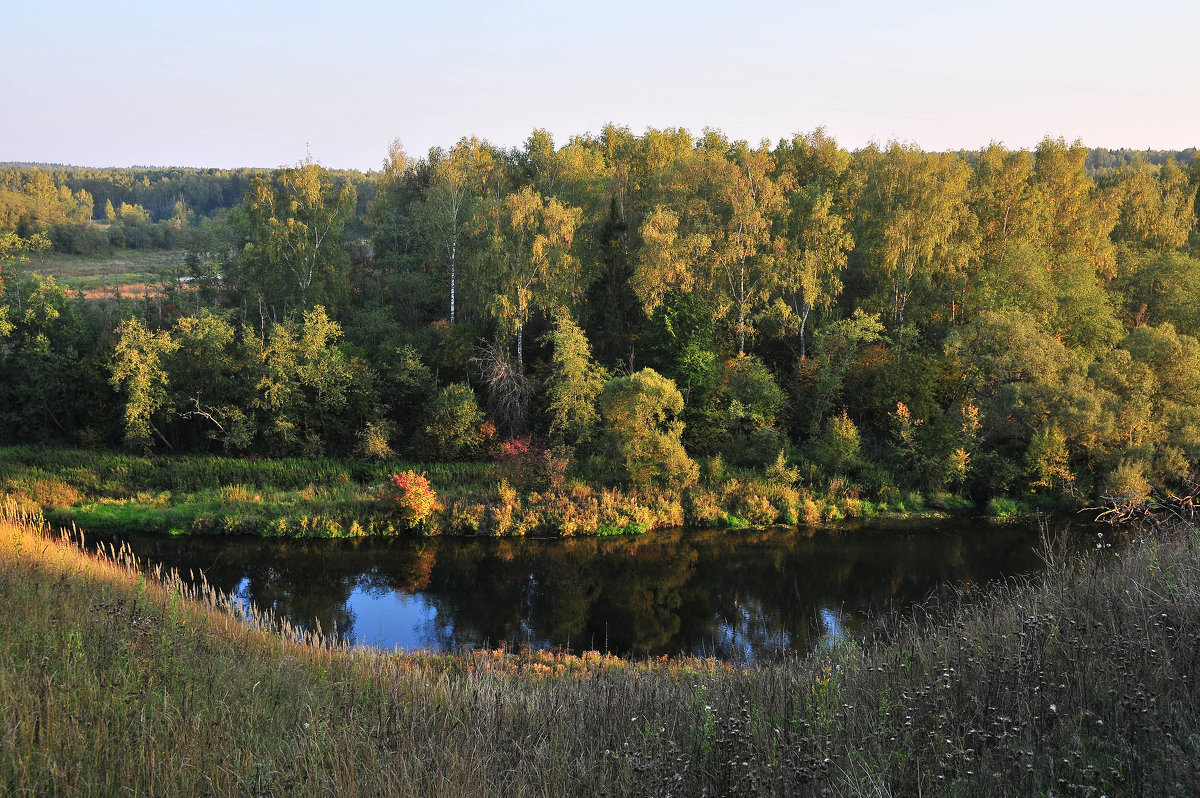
(641, 412)
(413, 499)
(528, 466)
(756, 509)
(700, 507)
(507, 516)
(1002, 507)
(373, 441)
(1128, 482)
(467, 515)
(454, 426)
(785, 499)
(836, 450)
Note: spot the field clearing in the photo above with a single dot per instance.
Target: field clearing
(131, 273)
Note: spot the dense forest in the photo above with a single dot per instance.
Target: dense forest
(996, 323)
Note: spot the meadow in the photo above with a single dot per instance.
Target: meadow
(131, 273)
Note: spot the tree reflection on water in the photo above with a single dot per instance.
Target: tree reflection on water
(738, 595)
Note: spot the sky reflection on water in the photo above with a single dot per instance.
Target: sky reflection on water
(740, 595)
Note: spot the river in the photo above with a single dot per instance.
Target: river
(739, 595)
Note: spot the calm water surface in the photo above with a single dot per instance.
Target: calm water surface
(739, 595)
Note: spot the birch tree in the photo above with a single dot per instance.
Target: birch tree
(911, 212)
(137, 369)
(814, 239)
(531, 263)
(458, 181)
(747, 199)
(297, 217)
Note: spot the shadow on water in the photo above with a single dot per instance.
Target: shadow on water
(741, 595)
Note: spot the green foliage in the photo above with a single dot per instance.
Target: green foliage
(914, 226)
(1039, 306)
(641, 413)
(837, 346)
(750, 400)
(1047, 460)
(1127, 482)
(293, 255)
(1159, 287)
(573, 384)
(15, 250)
(836, 450)
(303, 382)
(453, 426)
(137, 369)
(410, 382)
(1004, 508)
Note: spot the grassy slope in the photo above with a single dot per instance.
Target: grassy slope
(1083, 683)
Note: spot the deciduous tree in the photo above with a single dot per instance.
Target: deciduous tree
(297, 216)
(138, 370)
(641, 411)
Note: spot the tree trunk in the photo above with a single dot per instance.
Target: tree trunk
(742, 307)
(805, 309)
(521, 346)
(453, 251)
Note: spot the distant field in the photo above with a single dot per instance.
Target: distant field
(131, 272)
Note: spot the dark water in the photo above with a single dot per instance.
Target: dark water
(737, 595)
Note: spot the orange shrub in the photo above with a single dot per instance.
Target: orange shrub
(413, 498)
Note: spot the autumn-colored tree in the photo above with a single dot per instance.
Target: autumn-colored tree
(294, 254)
(1157, 206)
(914, 224)
(458, 181)
(748, 199)
(529, 263)
(813, 239)
(1075, 217)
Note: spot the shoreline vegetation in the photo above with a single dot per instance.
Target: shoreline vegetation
(1078, 681)
(323, 497)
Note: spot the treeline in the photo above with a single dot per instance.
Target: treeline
(87, 211)
(998, 323)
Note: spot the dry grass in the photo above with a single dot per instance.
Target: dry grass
(1080, 683)
(132, 273)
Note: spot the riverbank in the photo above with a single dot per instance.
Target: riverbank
(343, 498)
(1081, 681)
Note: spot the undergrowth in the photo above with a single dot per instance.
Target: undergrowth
(322, 497)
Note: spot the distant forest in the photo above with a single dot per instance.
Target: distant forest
(204, 192)
(987, 323)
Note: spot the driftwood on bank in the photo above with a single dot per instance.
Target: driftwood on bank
(1160, 507)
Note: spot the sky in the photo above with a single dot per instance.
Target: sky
(262, 83)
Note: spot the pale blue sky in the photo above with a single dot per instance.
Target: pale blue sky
(251, 83)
